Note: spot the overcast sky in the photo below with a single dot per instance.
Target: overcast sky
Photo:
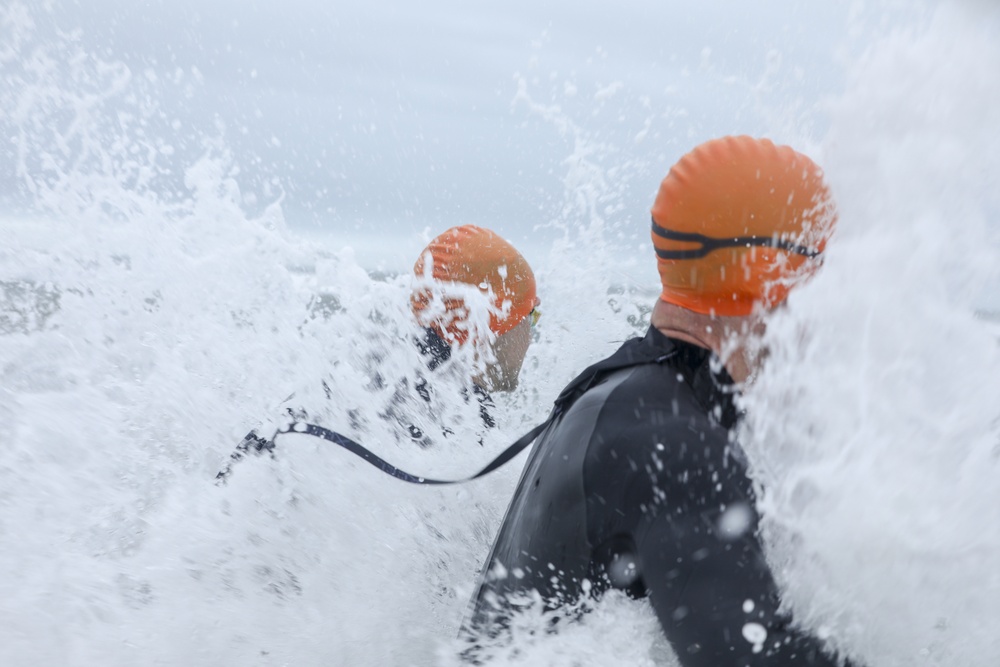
(379, 120)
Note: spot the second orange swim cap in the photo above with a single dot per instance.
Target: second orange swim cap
(478, 257)
(736, 222)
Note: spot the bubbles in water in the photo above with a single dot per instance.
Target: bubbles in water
(735, 521)
(756, 634)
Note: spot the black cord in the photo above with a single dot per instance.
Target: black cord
(253, 443)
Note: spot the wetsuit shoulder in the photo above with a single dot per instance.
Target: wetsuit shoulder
(654, 449)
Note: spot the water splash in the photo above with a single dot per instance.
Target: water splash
(874, 428)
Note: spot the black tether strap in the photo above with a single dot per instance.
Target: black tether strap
(708, 244)
(254, 444)
(633, 353)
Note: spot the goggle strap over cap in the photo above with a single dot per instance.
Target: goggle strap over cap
(709, 244)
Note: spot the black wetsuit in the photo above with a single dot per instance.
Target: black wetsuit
(636, 485)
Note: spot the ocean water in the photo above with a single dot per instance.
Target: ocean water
(150, 316)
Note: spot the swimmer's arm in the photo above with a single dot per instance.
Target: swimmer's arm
(705, 571)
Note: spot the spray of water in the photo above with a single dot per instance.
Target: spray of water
(147, 327)
(874, 429)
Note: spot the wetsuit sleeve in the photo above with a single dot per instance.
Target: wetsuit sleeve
(702, 562)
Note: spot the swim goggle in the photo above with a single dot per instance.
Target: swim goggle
(706, 244)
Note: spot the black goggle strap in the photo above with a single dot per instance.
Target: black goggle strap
(709, 244)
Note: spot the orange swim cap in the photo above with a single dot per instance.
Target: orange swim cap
(739, 221)
(473, 256)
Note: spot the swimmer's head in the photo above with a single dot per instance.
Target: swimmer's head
(468, 279)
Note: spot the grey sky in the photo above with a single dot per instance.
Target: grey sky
(381, 119)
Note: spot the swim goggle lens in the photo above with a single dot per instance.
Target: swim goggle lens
(534, 315)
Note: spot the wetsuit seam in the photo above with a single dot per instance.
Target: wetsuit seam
(587, 484)
(622, 442)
